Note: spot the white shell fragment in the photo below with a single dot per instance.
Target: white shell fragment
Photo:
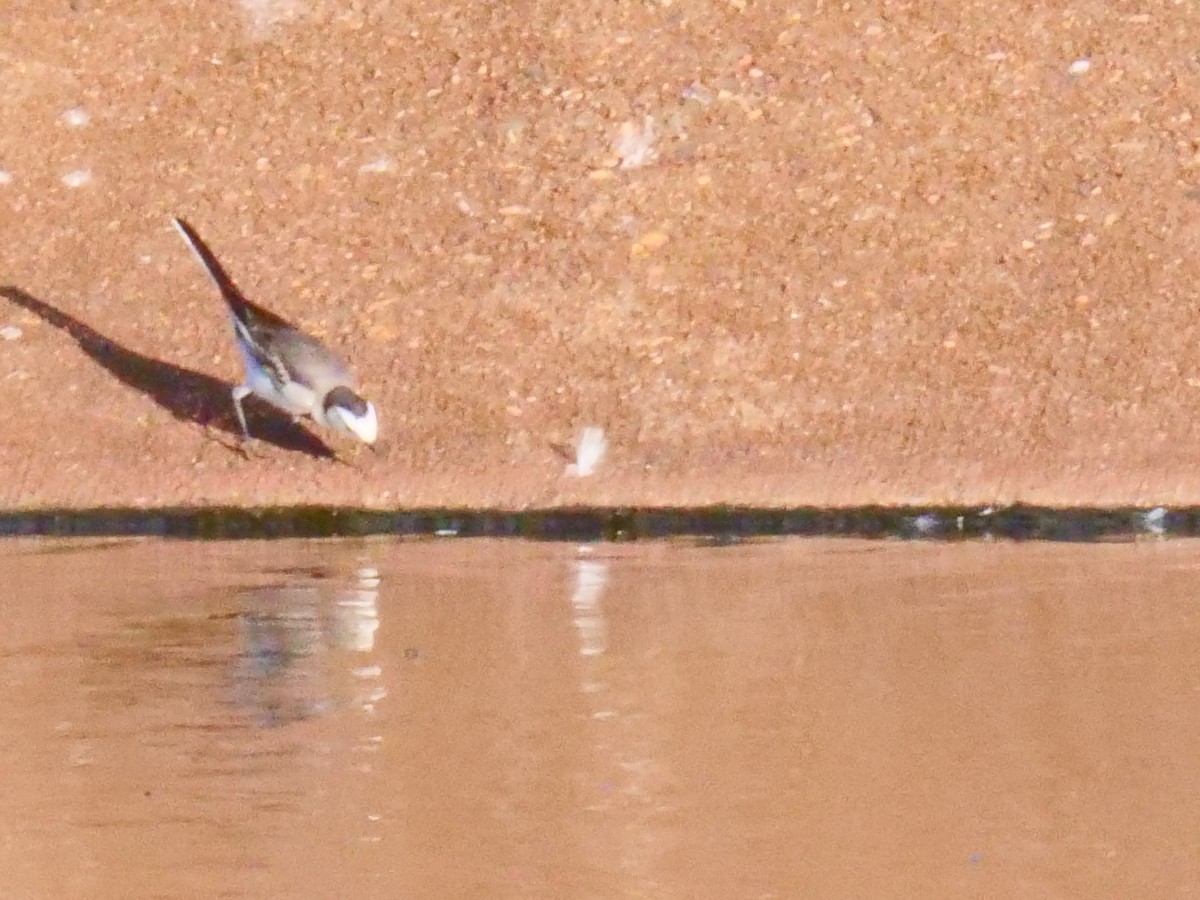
(78, 178)
(1079, 67)
(10, 332)
(588, 452)
(378, 165)
(635, 144)
(76, 117)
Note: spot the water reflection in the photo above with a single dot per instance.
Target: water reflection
(590, 577)
(300, 641)
(509, 720)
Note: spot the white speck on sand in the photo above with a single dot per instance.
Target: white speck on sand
(5, 177)
(382, 164)
(1079, 67)
(635, 144)
(464, 205)
(76, 117)
(10, 332)
(263, 16)
(699, 93)
(588, 452)
(78, 178)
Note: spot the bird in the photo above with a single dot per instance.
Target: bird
(288, 368)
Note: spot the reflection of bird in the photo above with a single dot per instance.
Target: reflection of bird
(284, 366)
(279, 675)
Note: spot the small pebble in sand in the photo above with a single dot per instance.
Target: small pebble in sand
(5, 177)
(76, 117)
(10, 332)
(1079, 67)
(647, 243)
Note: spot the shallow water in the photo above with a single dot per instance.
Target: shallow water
(499, 719)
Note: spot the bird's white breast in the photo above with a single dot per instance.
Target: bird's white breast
(294, 398)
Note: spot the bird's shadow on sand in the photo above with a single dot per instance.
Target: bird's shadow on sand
(188, 395)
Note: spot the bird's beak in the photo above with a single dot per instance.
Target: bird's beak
(364, 427)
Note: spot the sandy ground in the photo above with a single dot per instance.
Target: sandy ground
(782, 253)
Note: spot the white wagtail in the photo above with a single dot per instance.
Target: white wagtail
(284, 366)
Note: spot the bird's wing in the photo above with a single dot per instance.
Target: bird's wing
(258, 346)
(304, 360)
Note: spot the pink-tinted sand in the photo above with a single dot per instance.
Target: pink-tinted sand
(782, 254)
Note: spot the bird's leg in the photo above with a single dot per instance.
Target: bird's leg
(240, 393)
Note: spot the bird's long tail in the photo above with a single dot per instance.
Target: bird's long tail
(229, 291)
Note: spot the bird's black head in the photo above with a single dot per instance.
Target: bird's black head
(346, 399)
(350, 414)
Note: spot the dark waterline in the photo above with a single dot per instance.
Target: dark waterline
(718, 524)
